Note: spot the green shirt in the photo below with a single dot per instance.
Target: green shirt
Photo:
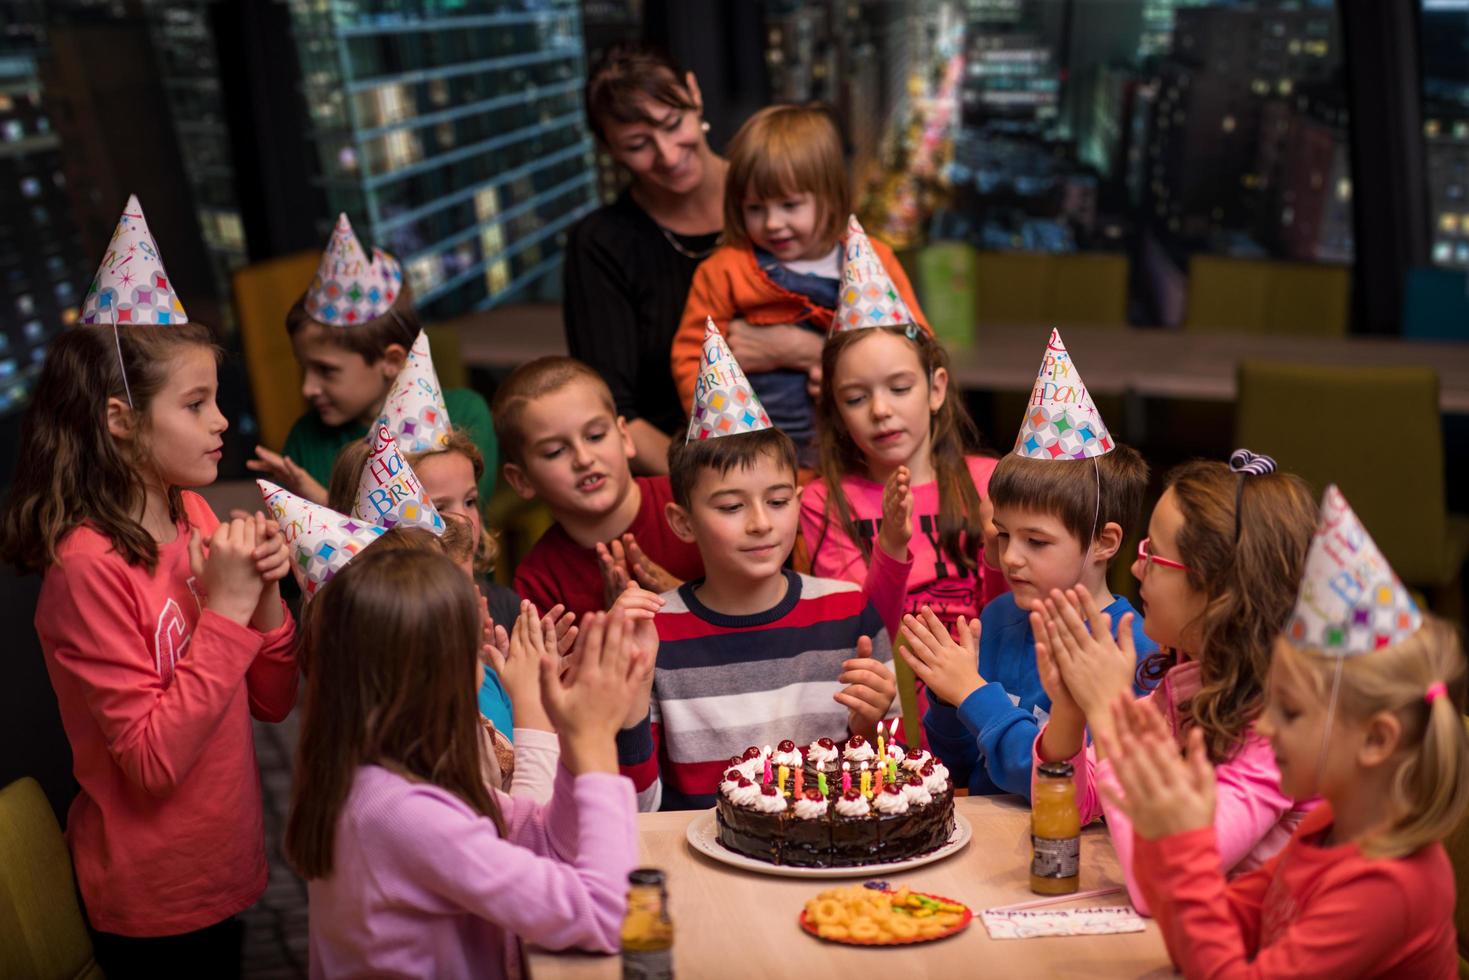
(314, 445)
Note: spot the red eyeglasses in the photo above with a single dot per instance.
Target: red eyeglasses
(1145, 555)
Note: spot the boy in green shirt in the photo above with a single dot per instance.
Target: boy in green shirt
(352, 333)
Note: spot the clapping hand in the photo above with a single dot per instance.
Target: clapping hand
(1163, 792)
(949, 667)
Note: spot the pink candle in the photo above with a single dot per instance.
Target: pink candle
(767, 764)
(846, 777)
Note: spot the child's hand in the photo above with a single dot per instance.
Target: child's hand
(990, 532)
(948, 667)
(615, 573)
(1096, 668)
(587, 711)
(227, 576)
(649, 574)
(273, 563)
(283, 470)
(813, 383)
(639, 606)
(562, 623)
(1050, 674)
(1162, 792)
(870, 690)
(494, 636)
(897, 515)
(517, 662)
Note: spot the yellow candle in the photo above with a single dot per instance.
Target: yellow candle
(866, 781)
(881, 748)
(781, 774)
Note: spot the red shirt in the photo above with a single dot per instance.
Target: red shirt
(1310, 911)
(156, 695)
(560, 570)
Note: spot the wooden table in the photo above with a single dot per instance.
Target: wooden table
(733, 923)
(1155, 363)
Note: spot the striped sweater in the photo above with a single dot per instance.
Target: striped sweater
(723, 683)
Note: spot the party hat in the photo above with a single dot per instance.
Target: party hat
(1061, 422)
(320, 539)
(348, 288)
(1350, 600)
(389, 492)
(868, 297)
(724, 402)
(415, 412)
(130, 285)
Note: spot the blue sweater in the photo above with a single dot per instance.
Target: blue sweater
(987, 741)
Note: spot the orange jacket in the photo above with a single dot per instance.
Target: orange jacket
(730, 284)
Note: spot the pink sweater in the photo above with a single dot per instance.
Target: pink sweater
(424, 887)
(156, 696)
(934, 580)
(1253, 819)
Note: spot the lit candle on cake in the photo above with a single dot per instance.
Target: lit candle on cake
(846, 777)
(821, 783)
(881, 745)
(800, 781)
(893, 770)
(877, 782)
(766, 753)
(780, 779)
(866, 781)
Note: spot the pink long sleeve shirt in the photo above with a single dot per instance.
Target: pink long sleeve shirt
(423, 886)
(1253, 819)
(934, 580)
(156, 695)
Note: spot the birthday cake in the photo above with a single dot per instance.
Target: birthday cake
(826, 805)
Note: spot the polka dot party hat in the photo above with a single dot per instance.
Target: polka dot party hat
(1350, 601)
(1061, 422)
(321, 541)
(389, 492)
(350, 288)
(868, 297)
(724, 402)
(130, 285)
(415, 412)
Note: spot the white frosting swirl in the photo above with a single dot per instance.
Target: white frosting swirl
(810, 809)
(938, 780)
(750, 768)
(890, 803)
(853, 808)
(770, 802)
(744, 795)
(896, 751)
(819, 755)
(860, 753)
(915, 765)
(728, 786)
(918, 795)
(791, 758)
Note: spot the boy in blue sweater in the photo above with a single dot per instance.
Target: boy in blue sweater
(1063, 501)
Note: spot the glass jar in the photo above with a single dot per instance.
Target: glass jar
(1055, 831)
(647, 931)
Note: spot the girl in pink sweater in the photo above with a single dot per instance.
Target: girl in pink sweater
(1217, 576)
(414, 867)
(1365, 709)
(899, 476)
(164, 634)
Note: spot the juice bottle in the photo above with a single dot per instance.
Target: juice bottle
(647, 931)
(1055, 831)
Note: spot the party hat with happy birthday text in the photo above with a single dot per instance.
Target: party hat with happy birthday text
(389, 492)
(724, 402)
(868, 297)
(415, 412)
(321, 540)
(130, 285)
(1061, 422)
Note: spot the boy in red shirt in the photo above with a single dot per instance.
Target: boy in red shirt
(565, 444)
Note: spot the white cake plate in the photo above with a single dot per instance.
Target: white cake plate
(703, 835)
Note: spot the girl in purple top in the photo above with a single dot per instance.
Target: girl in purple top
(414, 867)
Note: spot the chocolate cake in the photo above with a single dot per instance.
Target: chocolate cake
(772, 806)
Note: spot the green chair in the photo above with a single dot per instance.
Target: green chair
(946, 288)
(1267, 296)
(42, 933)
(1376, 433)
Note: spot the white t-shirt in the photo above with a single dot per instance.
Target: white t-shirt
(828, 265)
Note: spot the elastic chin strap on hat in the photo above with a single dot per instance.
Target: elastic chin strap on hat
(121, 367)
(1086, 559)
(1330, 720)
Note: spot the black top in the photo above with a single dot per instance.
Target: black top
(626, 287)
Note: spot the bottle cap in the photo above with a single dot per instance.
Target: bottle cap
(645, 876)
(1055, 770)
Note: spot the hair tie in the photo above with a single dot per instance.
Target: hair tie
(1245, 463)
(1435, 691)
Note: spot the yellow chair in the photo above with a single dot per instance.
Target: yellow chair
(42, 933)
(264, 294)
(1266, 296)
(1055, 290)
(443, 341)
(1376, 433)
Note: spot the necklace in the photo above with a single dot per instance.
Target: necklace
(669, 237)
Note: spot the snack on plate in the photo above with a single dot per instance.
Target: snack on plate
(833, 804)
(859, 914)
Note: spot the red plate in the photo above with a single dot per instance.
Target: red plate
(965, 918)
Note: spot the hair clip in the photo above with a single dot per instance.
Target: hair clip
(1252, 464)
(911, 331)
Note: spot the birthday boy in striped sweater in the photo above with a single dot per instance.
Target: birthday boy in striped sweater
(752, 653)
